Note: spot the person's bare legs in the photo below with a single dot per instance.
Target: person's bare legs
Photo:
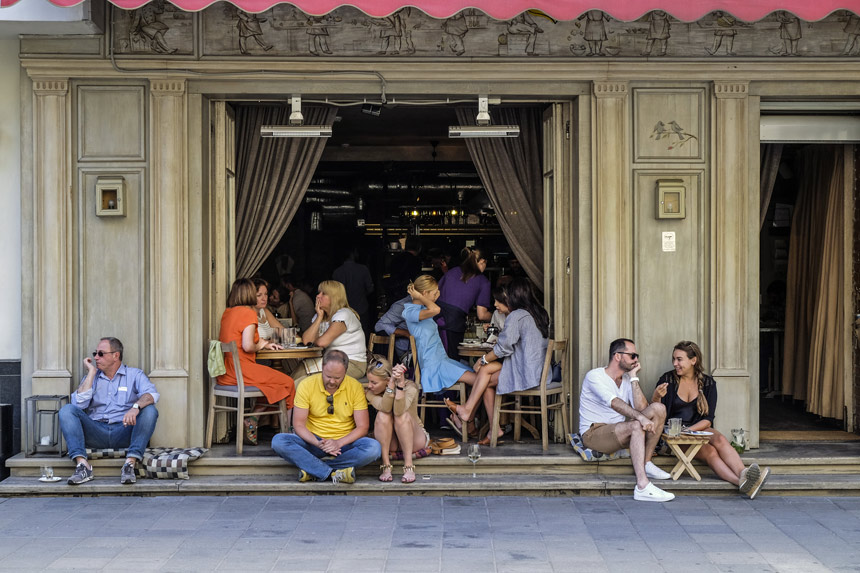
(721, 457)
(490, 402)
(403, 429)
(641, 443)
(467, 411)
(711, 456)
(383, 432)
(412, 438)
(656, 412)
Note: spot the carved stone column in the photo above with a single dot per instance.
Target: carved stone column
(51, 236)
(734, 268)
(169, 260)
(613, 218)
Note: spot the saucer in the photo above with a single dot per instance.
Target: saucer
(50, 480)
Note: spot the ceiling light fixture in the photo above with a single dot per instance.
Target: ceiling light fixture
(483, 127)
(296, 127)
(455, 131)
(371, 109)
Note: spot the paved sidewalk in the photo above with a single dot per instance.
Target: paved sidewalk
(333, 533)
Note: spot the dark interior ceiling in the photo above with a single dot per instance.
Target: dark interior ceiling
(390, 158)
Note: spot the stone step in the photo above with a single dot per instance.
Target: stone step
(558, 460)
(428, 484)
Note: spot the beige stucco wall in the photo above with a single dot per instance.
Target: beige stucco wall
(621, 282)
(10, 201)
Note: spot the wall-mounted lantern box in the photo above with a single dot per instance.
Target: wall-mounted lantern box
(110, 197)
(671, 199)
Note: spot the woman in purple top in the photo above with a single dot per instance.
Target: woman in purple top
(461, 289)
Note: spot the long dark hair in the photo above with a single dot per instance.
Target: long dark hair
(521, 296)
(469, 266)
(692, 350)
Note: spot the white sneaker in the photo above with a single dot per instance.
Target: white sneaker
(652, 493)
(653, 472)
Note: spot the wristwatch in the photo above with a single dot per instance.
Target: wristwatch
(136, 406)
(389, 391)
(484, 360)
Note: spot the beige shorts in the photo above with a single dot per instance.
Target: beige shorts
(602, 438)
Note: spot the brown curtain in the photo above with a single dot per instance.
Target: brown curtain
(770, 156)
(273, 174)
(510, 170)
(814, 324)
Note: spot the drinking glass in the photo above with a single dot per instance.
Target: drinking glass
(474, 456)
(47, 473)
(674, 427)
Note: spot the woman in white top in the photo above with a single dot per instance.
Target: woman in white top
(335, 325)
(267, 323)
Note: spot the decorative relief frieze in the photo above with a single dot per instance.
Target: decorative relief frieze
(167, 87)
(51, 87)
(725, 90)
(160, 29)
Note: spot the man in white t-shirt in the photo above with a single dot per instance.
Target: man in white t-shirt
(614, 414)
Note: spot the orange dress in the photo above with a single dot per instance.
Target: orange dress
(274, 384)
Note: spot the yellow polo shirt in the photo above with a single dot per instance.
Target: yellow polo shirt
(311, 395)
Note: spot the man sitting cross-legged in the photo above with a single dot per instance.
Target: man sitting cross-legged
(330, 421)
(614, 414)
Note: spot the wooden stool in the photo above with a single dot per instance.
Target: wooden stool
(685, 459)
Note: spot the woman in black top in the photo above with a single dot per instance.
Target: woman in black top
(690, 394)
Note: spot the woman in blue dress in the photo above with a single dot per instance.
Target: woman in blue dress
(522, 344)
(438, 371)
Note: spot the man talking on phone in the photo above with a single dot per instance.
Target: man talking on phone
(114, 407)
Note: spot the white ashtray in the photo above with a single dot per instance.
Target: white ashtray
(50, 480)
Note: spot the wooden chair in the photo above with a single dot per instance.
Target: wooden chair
(371, 344)
(426, 403)
(381, 339)
(240, 392)
(543, 390)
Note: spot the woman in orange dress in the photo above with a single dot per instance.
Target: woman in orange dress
(239, 324)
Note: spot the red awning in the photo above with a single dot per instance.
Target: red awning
(627, 10)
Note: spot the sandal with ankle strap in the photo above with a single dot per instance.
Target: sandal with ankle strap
(386, 473)
(407, 472)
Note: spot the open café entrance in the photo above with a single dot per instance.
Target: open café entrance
(387, 175)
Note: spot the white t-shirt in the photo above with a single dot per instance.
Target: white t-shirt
(598, 390)
(351, 341)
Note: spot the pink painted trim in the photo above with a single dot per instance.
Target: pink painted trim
(626, 10)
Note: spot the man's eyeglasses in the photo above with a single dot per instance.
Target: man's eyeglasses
(330, 400)
(101, 353)
(632, 355)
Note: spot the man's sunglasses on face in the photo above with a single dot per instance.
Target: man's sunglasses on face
(101, 353)
(632, 355)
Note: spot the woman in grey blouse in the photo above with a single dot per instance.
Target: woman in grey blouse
(522, 344)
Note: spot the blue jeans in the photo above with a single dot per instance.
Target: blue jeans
(81, 432)
(307, 457)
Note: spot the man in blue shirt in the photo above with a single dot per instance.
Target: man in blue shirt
(392, 323)
(114, 407)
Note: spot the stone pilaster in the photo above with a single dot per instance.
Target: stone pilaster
(613, 217)
(169, 259)
(734, 273)
(50, 235)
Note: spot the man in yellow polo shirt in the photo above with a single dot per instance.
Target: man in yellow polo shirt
(330, 421)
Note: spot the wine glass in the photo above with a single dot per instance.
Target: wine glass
(474, 456)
